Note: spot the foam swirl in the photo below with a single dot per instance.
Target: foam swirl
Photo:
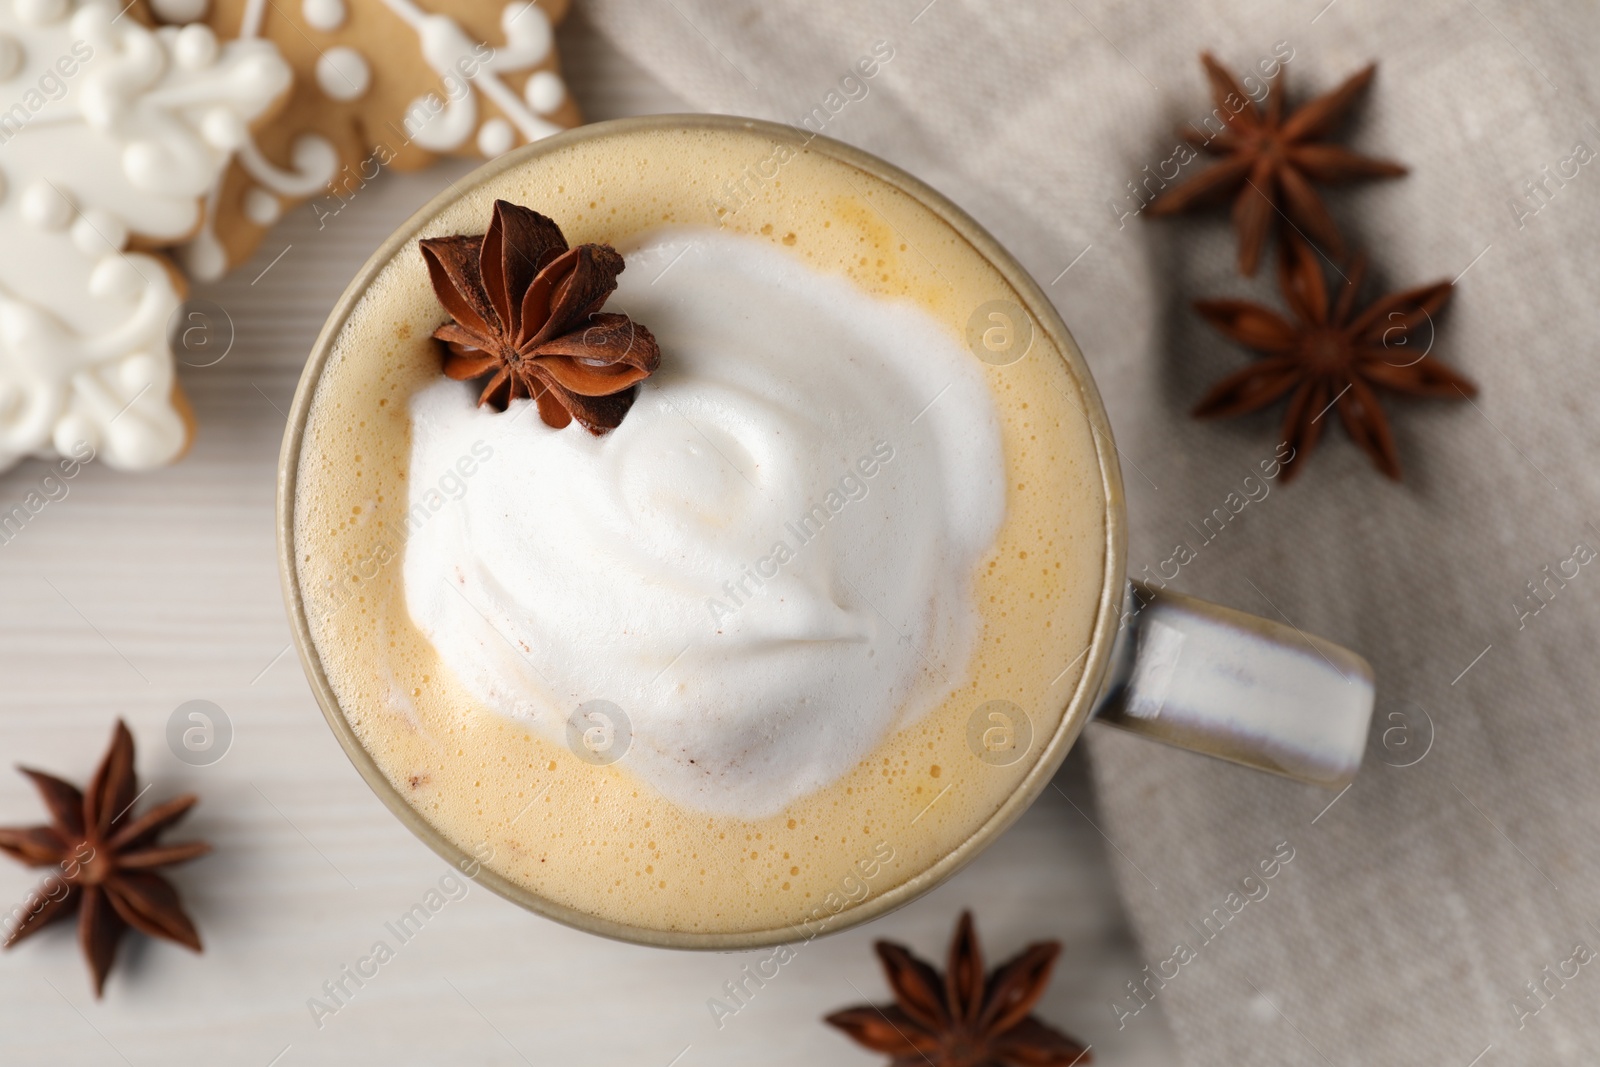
(767, 566)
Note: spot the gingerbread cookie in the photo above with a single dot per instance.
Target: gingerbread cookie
(111, 134)
(378, 84)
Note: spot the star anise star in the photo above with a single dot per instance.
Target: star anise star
(527, 313)
(104, 861)
(1331, 357)
(963, 1019)
(1270, 162)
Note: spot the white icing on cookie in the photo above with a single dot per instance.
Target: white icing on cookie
(203, 257)
(314, 161)
(439, 123)
(145, 124)
(343, 74)
(450, 52)
(40, 12)
(180, 10)
(195, 47)
(97, 232)
(313, 158)
(46, 207)
(545, 91)
(250, 25)
(495, 137)
(223, 129)
(98, 372)
(324, 15)
(261, 207)
(141, 132)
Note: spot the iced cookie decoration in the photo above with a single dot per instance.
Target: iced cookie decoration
(378, 84)
(115, 134)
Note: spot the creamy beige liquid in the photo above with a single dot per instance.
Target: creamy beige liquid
(594, 838)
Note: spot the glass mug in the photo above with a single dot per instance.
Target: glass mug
(1173, 668)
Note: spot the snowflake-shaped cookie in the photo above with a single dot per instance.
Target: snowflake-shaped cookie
(111, 133)
(378, 84)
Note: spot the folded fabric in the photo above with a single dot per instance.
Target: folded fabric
(1445, 906)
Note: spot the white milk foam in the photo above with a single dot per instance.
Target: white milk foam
(768, 566)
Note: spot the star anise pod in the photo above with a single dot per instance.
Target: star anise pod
(1270, 162)
(527, 313)
(1331, 357)
(104, 861)
(963, 1019)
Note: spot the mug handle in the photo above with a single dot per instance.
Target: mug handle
(1238, 687)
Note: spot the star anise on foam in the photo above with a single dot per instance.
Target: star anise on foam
(1270, 161)
(104, 861)
(964, 1018)
(1331, 357)
(526, 312)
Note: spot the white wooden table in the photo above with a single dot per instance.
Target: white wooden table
(133, 595)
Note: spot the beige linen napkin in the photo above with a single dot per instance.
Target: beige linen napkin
(1445, 906)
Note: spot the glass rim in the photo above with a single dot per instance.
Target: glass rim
(1050, 755)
